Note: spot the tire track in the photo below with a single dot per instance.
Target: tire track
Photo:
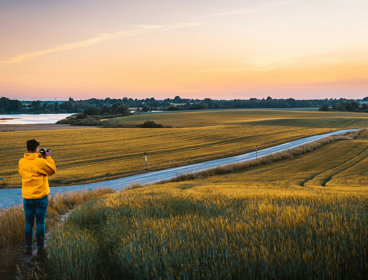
(339, 168)
(348, 167)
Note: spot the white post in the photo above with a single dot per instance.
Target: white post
(145, 157)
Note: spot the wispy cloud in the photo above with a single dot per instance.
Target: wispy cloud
(253, 10)
(231, 13)
(270, 63)
(250, 64)
(138, 29)
(331, 60)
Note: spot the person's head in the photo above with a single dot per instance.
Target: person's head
(33, 146)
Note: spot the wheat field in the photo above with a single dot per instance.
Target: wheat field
(95, 154)
(12, 226)
(303, 218)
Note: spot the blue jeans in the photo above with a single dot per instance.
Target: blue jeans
(35, 208)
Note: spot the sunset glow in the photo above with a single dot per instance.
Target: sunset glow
(195, 49)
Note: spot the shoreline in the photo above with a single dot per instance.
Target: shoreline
(40, 126)
(8, 119)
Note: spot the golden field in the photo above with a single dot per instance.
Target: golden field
(12, 227)
(303, 218)
(95, 154)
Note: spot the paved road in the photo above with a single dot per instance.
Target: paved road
(11, 197)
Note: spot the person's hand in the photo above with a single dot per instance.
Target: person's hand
(48, 153)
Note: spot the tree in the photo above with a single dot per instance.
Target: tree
(324, 107)
(10, 106)
(120, 108)
(177, 99)
(56, 107)
(44, 107)
(172, 108)
(36, 106)
(146, 108)
(104, 109)
(209, 102)
(92, 110)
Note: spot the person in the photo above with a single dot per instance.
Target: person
(35, 169)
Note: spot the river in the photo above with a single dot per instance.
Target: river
(31, 118)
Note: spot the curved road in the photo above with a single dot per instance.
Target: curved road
(11, 197)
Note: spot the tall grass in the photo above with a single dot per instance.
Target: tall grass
(12, 223)
(174, 231)
(257, 223)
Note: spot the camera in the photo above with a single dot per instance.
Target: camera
(43, 152)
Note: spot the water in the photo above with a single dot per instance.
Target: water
(31, 118)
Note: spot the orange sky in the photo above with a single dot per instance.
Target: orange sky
(205, 48)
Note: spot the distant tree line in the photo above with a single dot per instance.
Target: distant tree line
(346, 106)
(10, 106)
(115, 106)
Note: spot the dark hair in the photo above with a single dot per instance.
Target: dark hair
(32, 145)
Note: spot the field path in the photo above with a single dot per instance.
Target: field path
(322, 178)
(11, 197)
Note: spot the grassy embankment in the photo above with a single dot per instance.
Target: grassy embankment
(12, 224)
(95, 154)
(302, 218)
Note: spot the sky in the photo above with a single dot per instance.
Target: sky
(52, 49)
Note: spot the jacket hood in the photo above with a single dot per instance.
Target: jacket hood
(31, 155)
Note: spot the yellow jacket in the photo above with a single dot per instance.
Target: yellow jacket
(34, 171)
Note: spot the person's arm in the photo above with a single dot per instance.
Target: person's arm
(47, 167)
(20, 170)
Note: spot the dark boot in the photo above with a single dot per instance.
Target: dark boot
(28, 251)
(41, 253)
(40, 241)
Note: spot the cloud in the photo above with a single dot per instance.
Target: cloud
(331, 60)
(251, 64)
(138, 29)
(232, 13)
(268, 63)
(250, 10)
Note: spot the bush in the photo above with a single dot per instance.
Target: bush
(81, 119)
(324, 107)
(150, 124)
